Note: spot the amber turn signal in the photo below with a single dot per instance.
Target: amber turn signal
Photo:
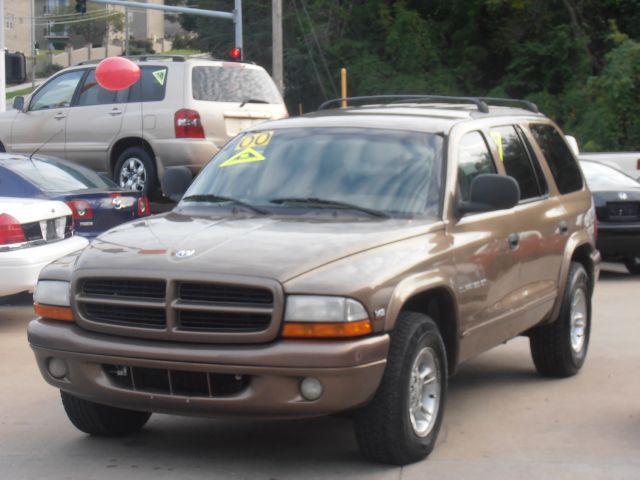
(327, 329)
(54, 313)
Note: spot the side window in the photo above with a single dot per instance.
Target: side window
(93, 94)
(563, 166)
(58, 93)
(516, 161)
(151, 86)
(474, 158)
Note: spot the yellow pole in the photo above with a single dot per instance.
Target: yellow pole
(343, 79)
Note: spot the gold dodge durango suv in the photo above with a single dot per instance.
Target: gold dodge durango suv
(180, 112)
(346, 260)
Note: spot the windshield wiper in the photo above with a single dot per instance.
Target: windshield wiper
(324, 203)
(251, 100)
(219, 199)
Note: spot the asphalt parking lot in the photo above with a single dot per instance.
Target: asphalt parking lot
(502, 420)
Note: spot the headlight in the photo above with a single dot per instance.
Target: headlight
(51, 300)
(309, 316)
(52, 292)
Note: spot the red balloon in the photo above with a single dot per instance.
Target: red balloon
(117, 73)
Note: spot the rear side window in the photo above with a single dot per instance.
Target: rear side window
(516, 161)
(233, 84)
(151, 86)
(563, 166)
(474, 158)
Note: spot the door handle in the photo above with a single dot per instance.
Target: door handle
(563, 227)
(115, 111)
(514, 240)
(59, 116)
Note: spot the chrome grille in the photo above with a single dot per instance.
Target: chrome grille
(125, 288)
(203, 292)
(180, 310)
(197, 321)
(126, 315)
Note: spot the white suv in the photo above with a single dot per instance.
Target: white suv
(181, 111)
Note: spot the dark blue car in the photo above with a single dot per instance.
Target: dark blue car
(96, 202)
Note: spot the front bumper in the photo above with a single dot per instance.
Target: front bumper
(350, 371)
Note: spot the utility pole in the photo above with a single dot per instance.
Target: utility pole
(33, 45)
(3, 80)
(127, 35)
(278, 67)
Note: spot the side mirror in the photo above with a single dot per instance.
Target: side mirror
(18, 103)
(491, 192)
(573, 144)
(175, 182)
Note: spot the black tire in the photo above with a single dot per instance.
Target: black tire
(102, 420)
(144, 181)
(633, 264)
(551, 345)
(383, 428)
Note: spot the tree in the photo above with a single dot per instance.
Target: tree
(94, 26)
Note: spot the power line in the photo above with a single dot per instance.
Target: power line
(322, 57)
(306, 41)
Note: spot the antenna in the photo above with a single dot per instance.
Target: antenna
(41, 146)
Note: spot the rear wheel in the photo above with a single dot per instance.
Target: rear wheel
(135, 170)
(401, 424)
(102, 420)
(560, 348)
(633, 264)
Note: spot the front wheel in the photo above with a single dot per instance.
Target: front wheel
(135, 170)
(401, 424)
(633, 264)
(560, 348)
(102, 420)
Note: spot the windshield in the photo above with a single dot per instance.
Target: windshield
(603, 177)
(395, 172)
(234, 84)
(54, 176)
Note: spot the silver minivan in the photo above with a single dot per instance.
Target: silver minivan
(180, 112)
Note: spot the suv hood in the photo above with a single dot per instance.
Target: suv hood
(273, 247)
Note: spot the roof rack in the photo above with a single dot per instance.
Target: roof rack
(482, 103)
(508, 102)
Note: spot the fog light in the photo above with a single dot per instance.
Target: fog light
(57, 368)
(311, 388)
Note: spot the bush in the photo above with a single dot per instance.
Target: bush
(48, 70)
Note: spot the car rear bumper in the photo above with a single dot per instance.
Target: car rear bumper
(618, 240)
(183, 152)
(349, 371)
(19, 269)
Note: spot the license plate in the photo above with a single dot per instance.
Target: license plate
(620, 209)
(53, 229)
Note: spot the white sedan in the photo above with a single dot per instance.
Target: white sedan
(33, 233)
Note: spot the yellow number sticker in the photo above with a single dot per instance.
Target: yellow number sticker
(260, 139)
(497, 138)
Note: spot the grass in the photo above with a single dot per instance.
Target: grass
(18, 93)
(181, 51)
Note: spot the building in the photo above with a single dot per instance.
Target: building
(51, 31)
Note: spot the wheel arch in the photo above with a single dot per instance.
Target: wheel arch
(438, 302)
(122, 144)
(579, 249)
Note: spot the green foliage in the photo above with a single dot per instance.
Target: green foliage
(578, 59)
